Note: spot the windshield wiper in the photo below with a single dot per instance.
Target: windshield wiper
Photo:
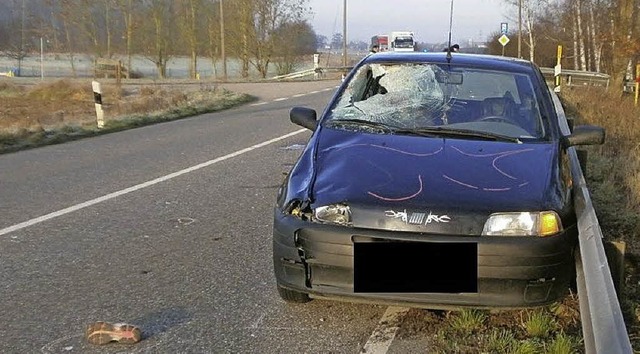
(365, 123)
(448, 132)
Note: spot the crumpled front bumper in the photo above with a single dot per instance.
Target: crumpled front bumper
(513, 272)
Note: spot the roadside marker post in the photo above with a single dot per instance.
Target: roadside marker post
(637, 83)
(558, 71)
(97, 98)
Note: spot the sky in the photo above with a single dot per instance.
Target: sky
(428, 19)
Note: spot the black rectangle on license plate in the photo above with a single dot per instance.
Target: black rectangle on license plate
(415, 267)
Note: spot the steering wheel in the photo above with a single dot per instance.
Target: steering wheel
(501, 119)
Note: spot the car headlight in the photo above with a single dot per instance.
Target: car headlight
(544, 223)
(334, 214)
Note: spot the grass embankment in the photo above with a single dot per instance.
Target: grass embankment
(551, 329)
(59, 111)
(613, 178)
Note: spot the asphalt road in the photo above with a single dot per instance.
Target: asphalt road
(167, 227)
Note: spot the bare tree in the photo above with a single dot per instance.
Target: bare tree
(189, 10)
(293, 40)
(213, 30)
(594, 39)
(127, 9)
(157, 33)
(270, 15)
(245, 11)
(531, 10)
(582, 64)
(625, 43)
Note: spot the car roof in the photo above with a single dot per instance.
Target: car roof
(469, 60)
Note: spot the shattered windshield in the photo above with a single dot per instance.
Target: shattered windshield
(421, 96)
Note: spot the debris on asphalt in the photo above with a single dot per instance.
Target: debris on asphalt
(104, 332)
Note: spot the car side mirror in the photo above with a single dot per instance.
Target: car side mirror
(304, 117)
(585, 135)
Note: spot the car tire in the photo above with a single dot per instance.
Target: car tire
(293, 296)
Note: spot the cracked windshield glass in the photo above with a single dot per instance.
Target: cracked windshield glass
(418, 96)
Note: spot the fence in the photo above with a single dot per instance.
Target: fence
(110, 68)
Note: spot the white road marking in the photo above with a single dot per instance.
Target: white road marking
(382, 337)
(294, 96)
(140, 186)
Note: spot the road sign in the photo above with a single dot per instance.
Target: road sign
(504, 28)
(503, 40)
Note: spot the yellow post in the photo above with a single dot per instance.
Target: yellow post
(637, 83)
(558, 70)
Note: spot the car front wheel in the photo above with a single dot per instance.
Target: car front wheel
(293, 296)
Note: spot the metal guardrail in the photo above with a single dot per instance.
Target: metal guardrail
(603, 327)
(569, 77)
(577, 77)
(317, 73)
(630, 87)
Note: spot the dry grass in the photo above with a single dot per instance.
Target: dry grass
(614, 168)
(62, 110)
(614, 182)
(508, 331)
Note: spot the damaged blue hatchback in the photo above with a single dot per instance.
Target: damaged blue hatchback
(433, 180)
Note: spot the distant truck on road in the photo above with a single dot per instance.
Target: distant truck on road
(381, 41)
(403, 41)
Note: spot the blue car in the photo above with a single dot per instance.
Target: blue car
(436, 180)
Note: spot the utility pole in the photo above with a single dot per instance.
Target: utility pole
(41, 58)
(222, 52)
(520, 29)
(344, 35)
(21, 55)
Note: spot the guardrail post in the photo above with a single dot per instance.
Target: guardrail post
(615, 251)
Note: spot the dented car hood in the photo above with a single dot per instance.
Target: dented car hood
(394, 174)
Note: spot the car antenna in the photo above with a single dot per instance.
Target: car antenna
(450, 26)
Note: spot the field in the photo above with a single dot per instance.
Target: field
(35, 114)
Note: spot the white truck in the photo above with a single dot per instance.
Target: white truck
(402, 41)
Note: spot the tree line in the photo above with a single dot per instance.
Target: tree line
(596, 35)
(259, 33)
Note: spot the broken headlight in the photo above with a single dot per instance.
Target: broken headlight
(544, 223)
(334, 214)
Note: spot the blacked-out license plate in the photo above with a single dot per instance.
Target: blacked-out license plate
(415, 267)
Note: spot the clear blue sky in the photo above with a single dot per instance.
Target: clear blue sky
(428, 19)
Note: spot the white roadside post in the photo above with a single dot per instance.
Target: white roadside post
(557, 71)
(316, 66)
(97, 98)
